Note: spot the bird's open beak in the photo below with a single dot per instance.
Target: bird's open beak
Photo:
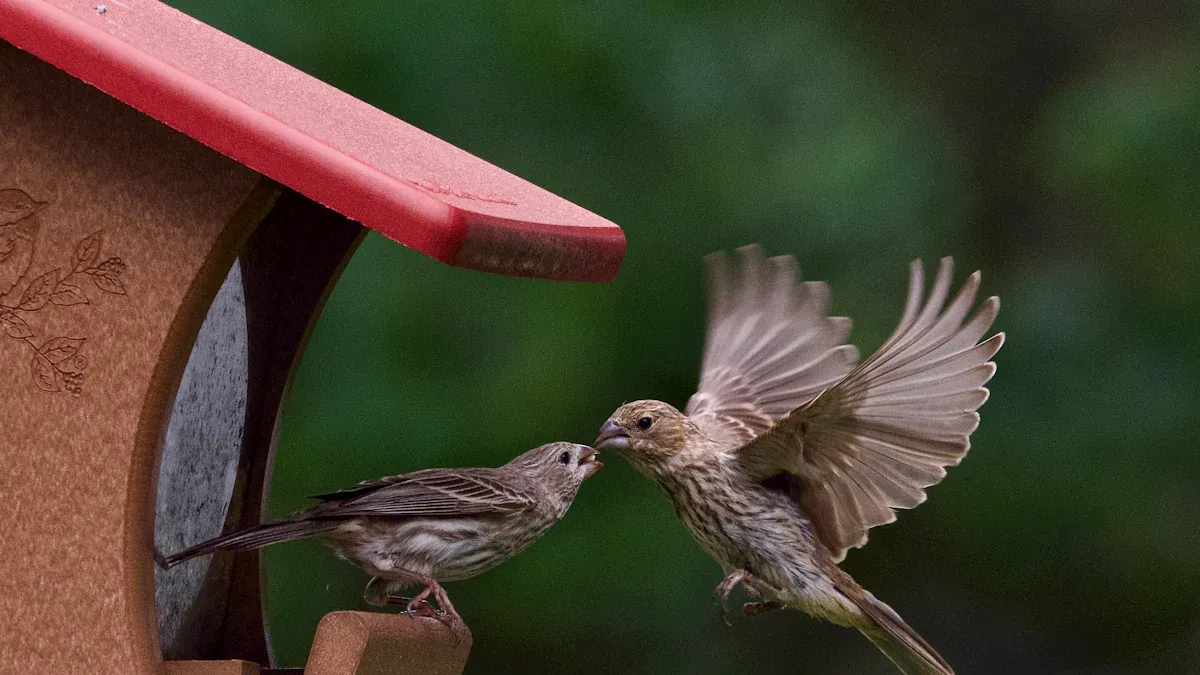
(588, 461)
(612, 437)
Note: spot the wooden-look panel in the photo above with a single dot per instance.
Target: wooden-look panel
(115, 233)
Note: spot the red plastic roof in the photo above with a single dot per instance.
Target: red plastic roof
(318, 140)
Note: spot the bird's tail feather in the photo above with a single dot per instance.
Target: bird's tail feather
(255, 537)
(884, 627)
(899, 642)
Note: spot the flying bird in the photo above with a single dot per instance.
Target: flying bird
(791, 450)
(431, 526)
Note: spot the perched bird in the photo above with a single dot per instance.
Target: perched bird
(789, 452)
(430, 526)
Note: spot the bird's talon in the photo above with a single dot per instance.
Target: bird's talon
(756, 608)
(416, 601)
(724, 608)
(726, 587)
(450, 621)
(424, 609)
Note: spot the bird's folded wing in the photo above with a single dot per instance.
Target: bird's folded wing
(770, 348)
(433, 492)
(878, 438)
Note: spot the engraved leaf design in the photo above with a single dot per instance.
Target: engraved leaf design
(108, 281)
(57, 365)
(39, 291)
(87, 250)
(59, 349)
(14, 325)
(114, 265)
(44, 375)
(67, 294)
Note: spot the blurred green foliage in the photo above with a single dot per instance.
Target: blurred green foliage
(1055, 146)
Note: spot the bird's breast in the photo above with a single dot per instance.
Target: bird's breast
(445, 548)
(742, 524)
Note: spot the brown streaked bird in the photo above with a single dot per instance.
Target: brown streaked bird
(789, 452)
(431, 526)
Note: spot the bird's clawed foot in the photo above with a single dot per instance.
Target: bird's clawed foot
(756, 608)
(726, 587)
(755, 588)
(378, 594)
(411, 606)
(420, 606)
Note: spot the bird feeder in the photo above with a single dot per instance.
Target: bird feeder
(174, 208)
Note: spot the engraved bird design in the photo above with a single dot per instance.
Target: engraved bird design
(17, 234)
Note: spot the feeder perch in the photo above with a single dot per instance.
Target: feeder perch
(174, 208)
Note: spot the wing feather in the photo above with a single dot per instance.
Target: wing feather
(770, 347)
(433, 492)
(875, 440)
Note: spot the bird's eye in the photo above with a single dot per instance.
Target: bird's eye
(565, 458)
(644, 423)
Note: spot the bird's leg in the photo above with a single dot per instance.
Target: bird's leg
(414, 606)
(378, 593)
(756, 608)
(726, 587)
(759, 589)
(448, 616)
(418, 605)
(444, 601)
(419, 599)
(755, 588)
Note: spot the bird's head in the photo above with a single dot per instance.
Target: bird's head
(561, 463)
(16, 205)
(646, 433)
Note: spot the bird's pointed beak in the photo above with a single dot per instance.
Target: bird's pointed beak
(612, 437)
(589, 463)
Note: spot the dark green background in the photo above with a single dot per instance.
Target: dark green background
(1054, 145)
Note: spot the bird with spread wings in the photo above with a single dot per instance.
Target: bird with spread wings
(791, 450)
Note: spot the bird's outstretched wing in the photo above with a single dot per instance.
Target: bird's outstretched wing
(433, 492)
(770, 347)
(874, 441)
